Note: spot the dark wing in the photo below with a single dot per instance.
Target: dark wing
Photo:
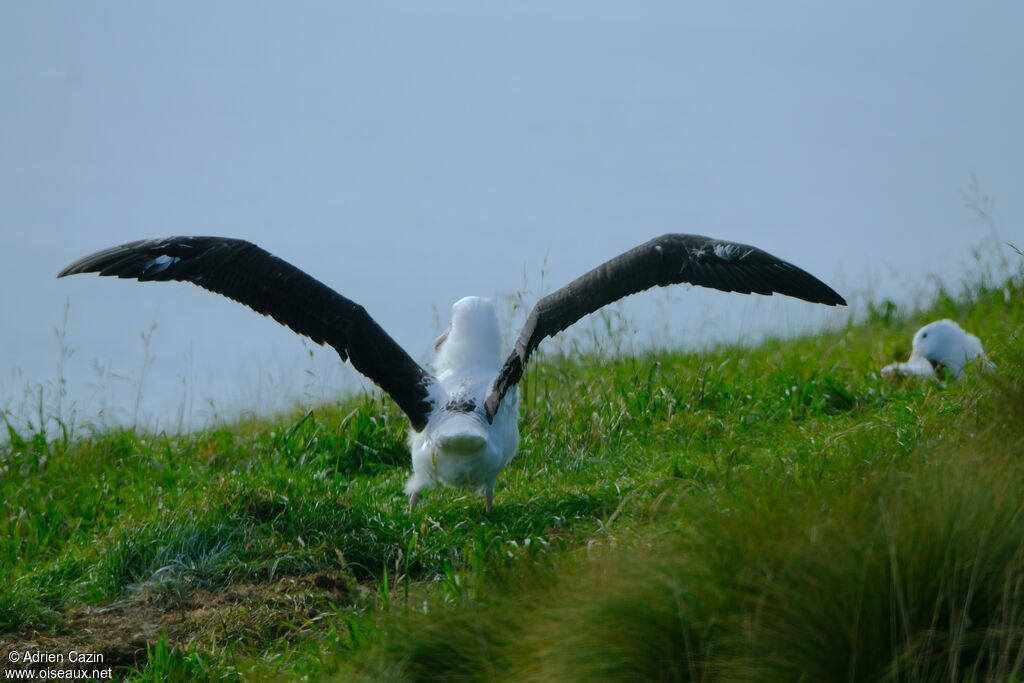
(665, 260)
(242, 271)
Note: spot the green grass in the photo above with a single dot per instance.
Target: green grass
(776, 512)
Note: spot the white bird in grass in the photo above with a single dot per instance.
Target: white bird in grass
(464, 415)
(937, 345)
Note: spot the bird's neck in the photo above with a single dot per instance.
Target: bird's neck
(481, 350)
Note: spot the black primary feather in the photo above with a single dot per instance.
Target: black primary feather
(252, 276)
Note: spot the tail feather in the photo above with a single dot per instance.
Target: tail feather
(469, 443)
(461, 434)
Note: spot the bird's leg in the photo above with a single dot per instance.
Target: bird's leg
(489, 498)
(414, 498)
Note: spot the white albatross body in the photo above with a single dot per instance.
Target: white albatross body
(459, 447)
(937, 345)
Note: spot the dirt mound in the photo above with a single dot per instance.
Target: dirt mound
(120, 632)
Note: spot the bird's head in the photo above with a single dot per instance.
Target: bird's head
(473, 337)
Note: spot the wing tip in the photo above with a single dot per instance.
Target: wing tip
(826, 296)
(80, 266)
(831, 297)
(97, 261)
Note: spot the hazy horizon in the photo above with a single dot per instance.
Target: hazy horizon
(409, 155)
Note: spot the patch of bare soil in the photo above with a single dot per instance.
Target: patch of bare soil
(120, 632)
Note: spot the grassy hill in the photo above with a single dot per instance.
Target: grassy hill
(777, 512)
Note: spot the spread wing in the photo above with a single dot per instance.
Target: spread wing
(665, 260)
(252, 276)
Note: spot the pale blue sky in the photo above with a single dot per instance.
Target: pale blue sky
(410, 153)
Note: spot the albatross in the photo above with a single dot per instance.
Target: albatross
(463, 412)
(938, 345)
